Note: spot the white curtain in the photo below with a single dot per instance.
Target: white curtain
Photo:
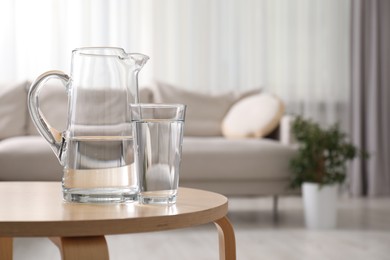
(297, 49)
(40, 35)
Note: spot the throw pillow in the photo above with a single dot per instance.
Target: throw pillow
(254, 116)
(205, 112)
(13, 100)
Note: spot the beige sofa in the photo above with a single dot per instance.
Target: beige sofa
(231, 166)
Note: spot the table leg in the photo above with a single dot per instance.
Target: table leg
(81, 248)
(6, 248)
(227, 240)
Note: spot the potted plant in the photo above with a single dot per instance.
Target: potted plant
(319, 168)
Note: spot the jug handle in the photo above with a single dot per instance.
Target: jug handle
(54, 137)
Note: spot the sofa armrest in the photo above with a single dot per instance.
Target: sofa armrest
(285, 130)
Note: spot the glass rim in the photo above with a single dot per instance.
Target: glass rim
(158, 105)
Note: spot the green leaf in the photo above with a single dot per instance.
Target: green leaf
(322, 153)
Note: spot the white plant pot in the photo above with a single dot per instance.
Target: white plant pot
(320, 205)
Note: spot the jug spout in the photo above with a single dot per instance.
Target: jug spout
(137, 60)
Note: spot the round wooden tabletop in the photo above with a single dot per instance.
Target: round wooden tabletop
(30, 209)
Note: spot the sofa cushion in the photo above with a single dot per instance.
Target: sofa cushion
(53, 102)
(205, 112)
(254, 116)
(218, 158)
(28, 158)
(145, 95)
(13, 109)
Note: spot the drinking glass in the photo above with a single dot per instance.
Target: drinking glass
(158, 136)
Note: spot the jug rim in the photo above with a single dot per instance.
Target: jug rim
(121, 53)
(90, 50)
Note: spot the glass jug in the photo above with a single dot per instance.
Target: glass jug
(96, 148)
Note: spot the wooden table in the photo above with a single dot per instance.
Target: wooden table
(36, 209)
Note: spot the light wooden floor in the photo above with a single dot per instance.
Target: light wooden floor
(363, 233)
